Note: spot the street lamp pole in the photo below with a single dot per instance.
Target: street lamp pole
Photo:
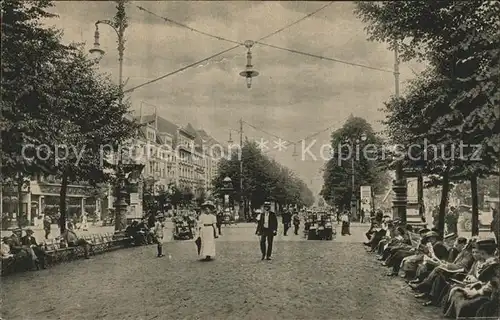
(399, 186)
(242, 204)
(118, 24)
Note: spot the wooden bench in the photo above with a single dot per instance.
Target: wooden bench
(57, 252)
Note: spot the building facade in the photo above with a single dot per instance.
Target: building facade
(184, 156)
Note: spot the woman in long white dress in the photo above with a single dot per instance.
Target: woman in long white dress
(207, 230)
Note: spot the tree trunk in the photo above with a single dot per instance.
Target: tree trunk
(62, 202)
(20, 215)
(444, 202)
(475, 208)
(420, 192)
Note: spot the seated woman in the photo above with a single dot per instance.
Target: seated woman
(433, 285)
(482, 282)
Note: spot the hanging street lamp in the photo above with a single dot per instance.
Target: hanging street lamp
(249, 73)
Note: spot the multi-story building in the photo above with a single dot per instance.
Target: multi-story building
(186, 160)
(213, 151)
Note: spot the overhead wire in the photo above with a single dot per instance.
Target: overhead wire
(219, 38)
(180, 69)
(324, 58)
(268, 36)
(297, 21)
(266, 132)
(291, 141)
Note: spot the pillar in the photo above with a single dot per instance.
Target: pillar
(40, 202)
(400, 199)
(27, 199)
(98, 209)
(82, 206)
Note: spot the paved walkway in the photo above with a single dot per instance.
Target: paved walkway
(306, 280)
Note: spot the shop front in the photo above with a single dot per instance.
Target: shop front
(79, 201)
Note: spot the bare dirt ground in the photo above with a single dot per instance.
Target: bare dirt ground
(306, 280)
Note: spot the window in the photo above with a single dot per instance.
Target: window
(151, 135)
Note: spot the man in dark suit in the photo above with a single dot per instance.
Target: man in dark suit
(267, 227)
(29, 241)
(287, 221)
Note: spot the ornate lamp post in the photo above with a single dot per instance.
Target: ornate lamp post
(249, 73)
(119, 24)
(227, 188)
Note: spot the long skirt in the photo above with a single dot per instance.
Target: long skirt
(345, 228)
(207, 241)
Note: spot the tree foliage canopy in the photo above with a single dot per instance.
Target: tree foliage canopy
(53, 96)
(368, 163)
(455, 103)
(263, 179)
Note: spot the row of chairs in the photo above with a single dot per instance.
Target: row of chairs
(58, 252)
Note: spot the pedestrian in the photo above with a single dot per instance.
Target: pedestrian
(158, 234)
(495, 225)
(220, 218)
(287, 218)
(345, 223)
(267, 228)
(207, 231)
(296, 223)
(47, 221)
(85, 226)
(338, 216)
(362, 215)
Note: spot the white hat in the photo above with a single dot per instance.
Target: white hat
(258, 211)
(208, 204)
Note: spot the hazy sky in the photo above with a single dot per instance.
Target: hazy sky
(294, 95)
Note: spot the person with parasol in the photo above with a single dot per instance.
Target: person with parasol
(207, 231)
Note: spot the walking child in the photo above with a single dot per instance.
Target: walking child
(158, 232)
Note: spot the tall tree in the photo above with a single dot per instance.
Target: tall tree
(459, 103)
(263, 179)
(91, 123)
(349, 150)
(29, 51)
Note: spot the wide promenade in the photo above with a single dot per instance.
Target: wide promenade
(305, 280)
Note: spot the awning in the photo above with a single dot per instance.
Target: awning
(10, 199)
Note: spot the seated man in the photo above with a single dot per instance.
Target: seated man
(73, 241)
(380, 238)
(429, 263)
(19, 251)
(145, 231)
(435, 246)
(5, 248)
(29, 241)
(133, 231)
(432, 285)
(481, 284)
(402, 240)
